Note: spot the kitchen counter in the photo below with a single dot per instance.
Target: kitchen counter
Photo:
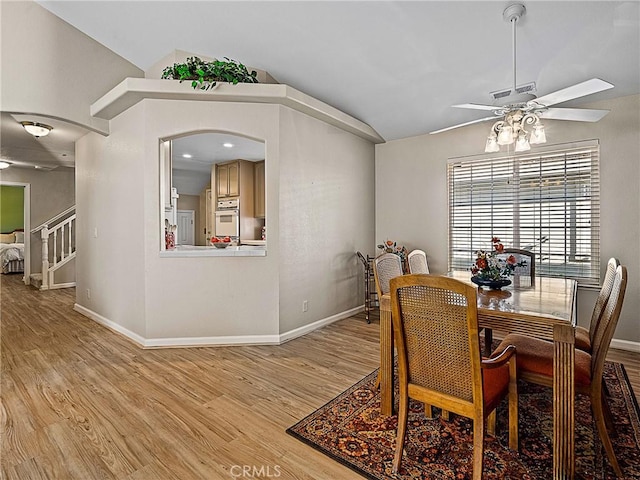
(254, 242)
(210, 251)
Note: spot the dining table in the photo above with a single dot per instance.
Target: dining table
(542, 307)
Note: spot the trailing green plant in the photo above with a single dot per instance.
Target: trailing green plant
(204, 75)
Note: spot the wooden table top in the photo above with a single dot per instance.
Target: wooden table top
(547, 302)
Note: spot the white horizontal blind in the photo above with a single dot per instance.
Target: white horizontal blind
(547, 202)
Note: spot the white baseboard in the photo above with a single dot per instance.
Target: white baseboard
(109, 324)
(625, 345)
(183, 342)
(298, 332)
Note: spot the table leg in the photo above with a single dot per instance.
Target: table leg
(563, 402)
(386, 358)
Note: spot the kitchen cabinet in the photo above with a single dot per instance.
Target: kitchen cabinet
(259, 189)
(228, 179)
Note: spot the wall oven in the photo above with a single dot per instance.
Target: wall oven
(228, 219)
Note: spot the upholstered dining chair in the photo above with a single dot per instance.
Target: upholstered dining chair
(435, 322)
(584, 337)
(417, 260)
(535, 361)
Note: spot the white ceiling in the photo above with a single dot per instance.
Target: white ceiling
(397, 66)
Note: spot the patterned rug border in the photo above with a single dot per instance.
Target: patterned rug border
(328, 453)
(627, 395)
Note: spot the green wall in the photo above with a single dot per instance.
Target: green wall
(11, 208)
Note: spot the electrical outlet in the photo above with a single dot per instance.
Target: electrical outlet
(305, 305)
(88, 293)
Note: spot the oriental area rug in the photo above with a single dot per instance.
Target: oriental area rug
(351, 430)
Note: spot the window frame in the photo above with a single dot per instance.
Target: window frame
(560, 204)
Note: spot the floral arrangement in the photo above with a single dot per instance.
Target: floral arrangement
(389, 246)
(488, 266)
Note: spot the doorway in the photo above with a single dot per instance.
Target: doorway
(27, 226)
(186, 227)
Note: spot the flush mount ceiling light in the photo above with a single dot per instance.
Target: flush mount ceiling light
(186, 155)
(518, 106)
(37, 129)
(4, 165)
(227, 145)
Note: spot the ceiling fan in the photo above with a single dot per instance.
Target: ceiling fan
(517, 106)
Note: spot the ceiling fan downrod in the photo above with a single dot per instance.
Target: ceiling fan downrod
(512, 14)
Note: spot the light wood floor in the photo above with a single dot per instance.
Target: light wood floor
(82, 402)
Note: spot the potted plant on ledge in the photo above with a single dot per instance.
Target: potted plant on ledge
(205, 75)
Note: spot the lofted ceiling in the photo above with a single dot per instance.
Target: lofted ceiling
(397, 66)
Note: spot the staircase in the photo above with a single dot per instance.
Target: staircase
(58, 238)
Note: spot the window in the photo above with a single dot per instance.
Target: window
(547, 202)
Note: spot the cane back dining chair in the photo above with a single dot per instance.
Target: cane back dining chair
(527, 257)
(386, 267)
(417, 261)
(584, 337)
(535, 361)
(435, 321)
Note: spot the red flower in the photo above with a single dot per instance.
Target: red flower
(511, 260)
(481, 263)
(495, 240)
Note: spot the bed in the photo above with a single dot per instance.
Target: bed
(12, 252)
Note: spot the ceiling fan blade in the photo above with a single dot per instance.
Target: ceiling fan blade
(465, 124)
(589, 87)
(476, 106)
(575, 114)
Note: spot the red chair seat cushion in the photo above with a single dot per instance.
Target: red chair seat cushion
(536, 356)
(495, 385)
(583, 342)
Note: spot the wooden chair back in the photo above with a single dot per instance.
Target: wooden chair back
(386, 267)
(417, 260)
(435, 322)
(603, 296)
(607, 324)
(529, 269)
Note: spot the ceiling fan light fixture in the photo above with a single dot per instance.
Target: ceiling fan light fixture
(37, 129)
(492, 144)
(505, 136)
(537, 134)
(522, 144)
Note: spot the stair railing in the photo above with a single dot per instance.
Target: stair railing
(58, 247)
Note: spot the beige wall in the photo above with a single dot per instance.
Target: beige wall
(326, 214)
(319, 206)
(52, 192)
(111, 220)
(71, 69)
(411, 193)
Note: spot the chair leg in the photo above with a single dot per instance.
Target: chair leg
(445, 415)
(428, 411)
(377, 385)
(598, 414)
(403, 416)
(488, 341)
(478, 447)
(491, 423)
(513, 405)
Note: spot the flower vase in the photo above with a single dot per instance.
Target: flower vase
(491, 283)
